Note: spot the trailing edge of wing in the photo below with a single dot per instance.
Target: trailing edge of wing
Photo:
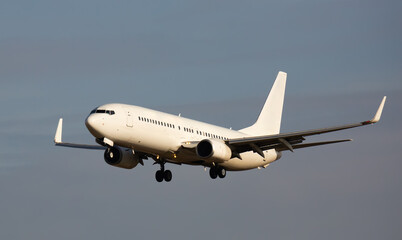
(297, 146)
(58, 140)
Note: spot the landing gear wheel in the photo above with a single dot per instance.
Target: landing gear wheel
(212, 172)
(221, 172)
(159, 176)
(167, 175)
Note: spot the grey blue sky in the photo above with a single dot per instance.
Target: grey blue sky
(214, 61)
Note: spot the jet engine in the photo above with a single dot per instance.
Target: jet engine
(214, 150)
(121, 157)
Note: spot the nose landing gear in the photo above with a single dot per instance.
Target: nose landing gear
(163, 174)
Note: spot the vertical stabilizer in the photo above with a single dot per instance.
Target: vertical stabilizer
(269, 120)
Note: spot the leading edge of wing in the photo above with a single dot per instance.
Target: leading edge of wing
(58, 140)
(82, 146)
(298, 136)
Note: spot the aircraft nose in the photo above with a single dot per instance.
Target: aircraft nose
(90, 122)
(93, 124)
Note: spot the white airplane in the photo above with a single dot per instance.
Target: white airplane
(129, 134)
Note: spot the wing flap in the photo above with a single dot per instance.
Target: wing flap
(314, 144)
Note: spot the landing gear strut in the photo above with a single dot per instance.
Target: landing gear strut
(163, 174)
(216, 171)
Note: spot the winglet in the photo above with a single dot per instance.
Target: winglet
(57, 137)
(377, 116)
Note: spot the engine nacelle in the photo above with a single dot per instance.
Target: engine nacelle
(214, 150)
(121, 157)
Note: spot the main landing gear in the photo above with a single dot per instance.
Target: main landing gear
(163, 174)
(217, 171)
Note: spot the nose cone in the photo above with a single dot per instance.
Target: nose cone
(90, 122)
(93, 124)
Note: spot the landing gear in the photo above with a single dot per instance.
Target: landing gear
(212, 172)
(167, 175)
(163, 174)
(216, 171)
(159, 176)
(221, 172)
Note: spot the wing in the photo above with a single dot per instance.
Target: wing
(291, 141)
(59, 142)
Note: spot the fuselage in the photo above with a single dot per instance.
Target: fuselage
(165, 135)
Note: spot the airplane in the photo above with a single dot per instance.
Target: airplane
(130, 134)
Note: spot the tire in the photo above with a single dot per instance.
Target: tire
(159, 176)
(167, 175)
(212, 173)
(221, 172)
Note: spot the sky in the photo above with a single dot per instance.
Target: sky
(213, 61)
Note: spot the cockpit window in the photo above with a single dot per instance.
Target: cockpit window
(110, 112)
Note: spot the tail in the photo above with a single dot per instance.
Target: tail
(269, 120)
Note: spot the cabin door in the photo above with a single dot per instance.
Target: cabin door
(130, 119)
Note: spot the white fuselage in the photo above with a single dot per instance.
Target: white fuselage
(163, 135)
